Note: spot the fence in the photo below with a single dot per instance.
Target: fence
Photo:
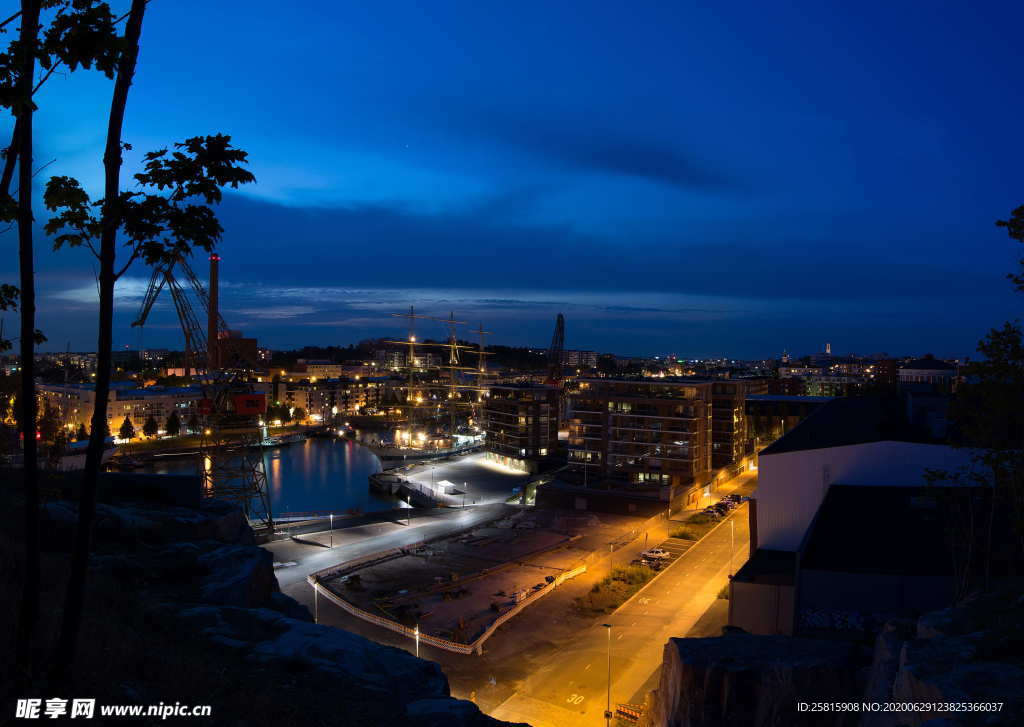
(476, 645)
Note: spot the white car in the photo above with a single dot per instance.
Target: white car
(656, 553)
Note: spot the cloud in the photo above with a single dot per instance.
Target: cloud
(622, 154)
(274, 312)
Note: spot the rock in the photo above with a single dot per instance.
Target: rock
(947, 669)
(755, 681)
(288, 606)
(148, 522)
(237, 575)
(342, 659)
(884, 667)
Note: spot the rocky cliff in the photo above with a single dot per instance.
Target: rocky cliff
(755, 681)
(972, 655)
(195, 573)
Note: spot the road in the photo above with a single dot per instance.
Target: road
(483, 481)
(570, 689)
(299, 559)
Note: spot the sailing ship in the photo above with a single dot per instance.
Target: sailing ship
(441, 403)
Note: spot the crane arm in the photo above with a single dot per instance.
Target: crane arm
(156, 284)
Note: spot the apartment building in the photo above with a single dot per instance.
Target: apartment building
(644, 432)
(583, 360)
(521, 421)
(730, 436)
(74, 403)
(323, 398)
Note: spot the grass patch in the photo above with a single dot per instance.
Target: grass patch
(614, 590)
(695, 528)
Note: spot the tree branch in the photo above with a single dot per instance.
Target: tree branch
(12, 18)
(131, 258)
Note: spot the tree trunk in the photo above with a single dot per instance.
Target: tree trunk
(28, 611)
(74, 601)
(10, 157)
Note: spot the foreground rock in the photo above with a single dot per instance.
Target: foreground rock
(740, 679)
(198, 568)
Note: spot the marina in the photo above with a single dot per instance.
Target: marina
(312, 475)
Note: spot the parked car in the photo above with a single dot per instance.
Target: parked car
(656, 554)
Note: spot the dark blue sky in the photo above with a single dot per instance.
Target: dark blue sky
(694, 178)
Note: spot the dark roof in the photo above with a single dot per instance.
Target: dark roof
(851, 420)
(928, 363)
(884, 530)
(790, 398)
(769, 567)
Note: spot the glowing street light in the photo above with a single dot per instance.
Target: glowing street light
(332, 529)
(417, 633)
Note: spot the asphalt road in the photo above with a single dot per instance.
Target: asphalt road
(298, 559)
(483, 481)
(570, 689)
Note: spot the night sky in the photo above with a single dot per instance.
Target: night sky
(695, 178)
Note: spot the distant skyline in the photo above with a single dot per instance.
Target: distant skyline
(674, 177)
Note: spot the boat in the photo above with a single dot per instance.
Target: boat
(281, 440)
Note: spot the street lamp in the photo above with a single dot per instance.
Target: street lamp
(332, 529)
(417, 632)
(608, 694)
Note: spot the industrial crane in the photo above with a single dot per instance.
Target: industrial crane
(202, 345)
(232, 468)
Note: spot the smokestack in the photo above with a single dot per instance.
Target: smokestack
(212, 349)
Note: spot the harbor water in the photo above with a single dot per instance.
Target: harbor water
(315, 475)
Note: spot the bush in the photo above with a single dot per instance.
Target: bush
(696, 527)
(614, 590)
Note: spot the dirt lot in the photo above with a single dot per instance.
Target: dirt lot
(456, 588)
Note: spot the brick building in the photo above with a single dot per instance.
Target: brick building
(521, 421)
(644, 432)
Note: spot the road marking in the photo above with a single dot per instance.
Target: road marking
(619, 637)
(586, 667)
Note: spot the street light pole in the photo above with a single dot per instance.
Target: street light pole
(332, 529)
(608, 694)
(417, 632)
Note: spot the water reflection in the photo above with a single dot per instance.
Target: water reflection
(315, 475)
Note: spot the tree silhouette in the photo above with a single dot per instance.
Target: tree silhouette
(173, 425)
(127, 430)
(193, 424)
(48, 424)
(80, 34)
(81, 435)
(150, 427)
(166, 215)
(299, 414)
